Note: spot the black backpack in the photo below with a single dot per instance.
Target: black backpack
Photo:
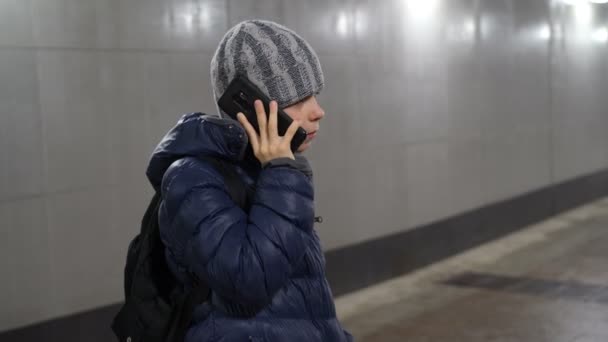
(157, 308)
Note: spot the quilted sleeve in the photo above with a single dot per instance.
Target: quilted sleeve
(244, 257)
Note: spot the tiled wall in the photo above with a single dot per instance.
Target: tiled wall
(434, 107)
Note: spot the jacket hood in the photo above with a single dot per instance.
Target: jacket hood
(197, 134)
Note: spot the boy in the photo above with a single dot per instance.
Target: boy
(265, 267)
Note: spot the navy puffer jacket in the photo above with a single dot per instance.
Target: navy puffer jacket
(266, 267)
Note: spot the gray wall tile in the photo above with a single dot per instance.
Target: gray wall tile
(516, 163)
(65, 23)
(428, 180)
(122, 82)
(83, 254)
(75, 129)
(262, 9)
(579, 103)
(374, 25)
(175, 84)
(15, 23)
(20, 126)
(24, 260)
(465, 175)
(377, 173)
(326, 25)
(166, 25)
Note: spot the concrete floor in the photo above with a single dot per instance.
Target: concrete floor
(546, 283)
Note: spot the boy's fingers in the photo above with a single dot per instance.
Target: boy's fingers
(261, 112)
(272, 123)
(253, 137)
(291, 131)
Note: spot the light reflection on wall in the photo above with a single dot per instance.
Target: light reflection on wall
(350, 22)
(584, 12)
(544, 33)
(343, 24)
(421, 10)
(600, 35)
(464, 31)
(573, 2)
(487, 27)
(470, 28)
(188, 18)
(361, 21)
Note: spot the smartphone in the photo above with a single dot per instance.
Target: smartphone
(240, 96)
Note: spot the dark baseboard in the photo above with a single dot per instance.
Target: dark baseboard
(364, 264)
(91, 326)
(358, 266)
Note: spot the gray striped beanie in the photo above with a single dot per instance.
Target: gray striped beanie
(276, 59)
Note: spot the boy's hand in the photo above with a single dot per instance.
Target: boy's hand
(268, 145)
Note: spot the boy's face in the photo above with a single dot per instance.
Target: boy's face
(309, 113)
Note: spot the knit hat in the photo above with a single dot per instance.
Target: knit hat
(274, 58)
